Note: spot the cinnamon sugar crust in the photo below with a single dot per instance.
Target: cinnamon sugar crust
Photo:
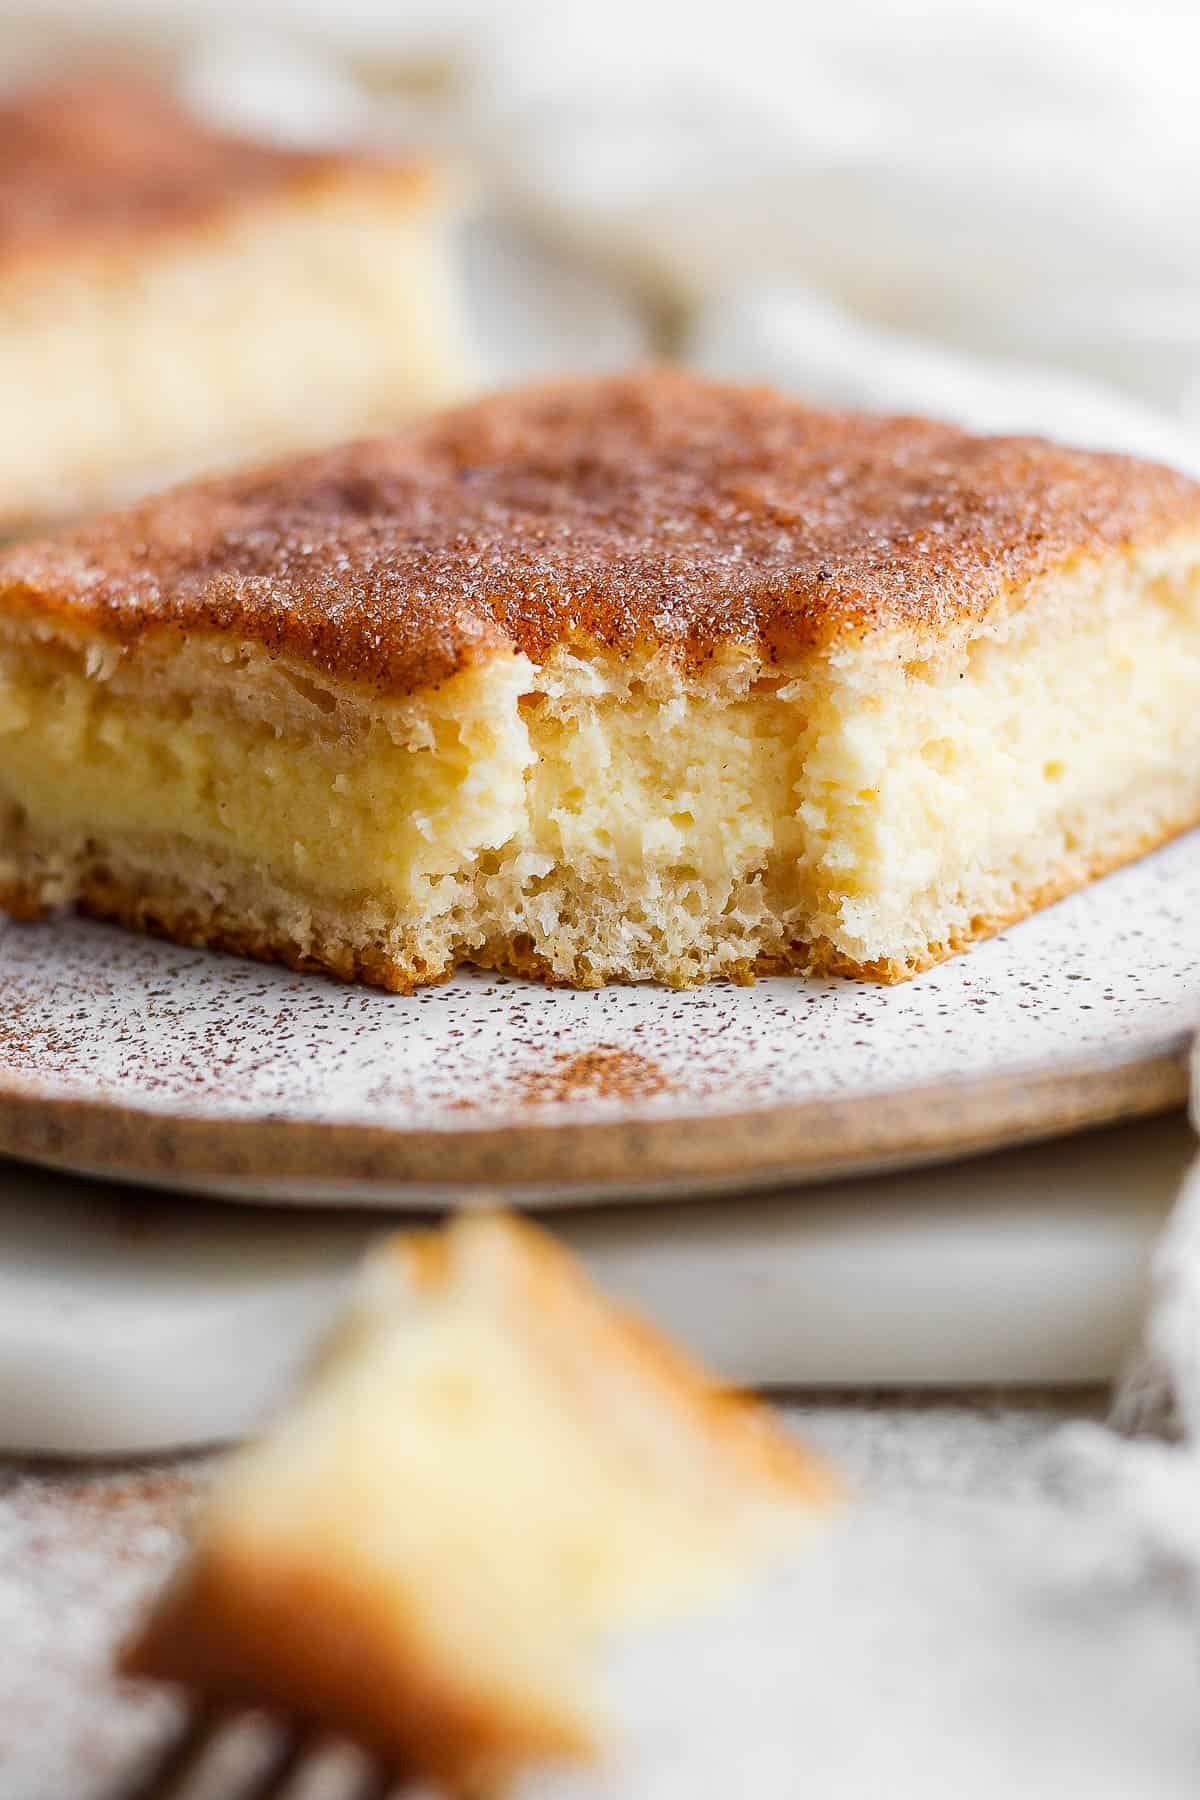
(101, 161)
(652, 510)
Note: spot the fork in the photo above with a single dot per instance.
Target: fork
(293, 1752)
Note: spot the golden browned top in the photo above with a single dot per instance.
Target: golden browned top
(653, 509)
(109, 157)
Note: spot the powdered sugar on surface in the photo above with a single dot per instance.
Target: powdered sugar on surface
(993, 1614)
(82, 1551)
(937, 1652)
(970, 1625)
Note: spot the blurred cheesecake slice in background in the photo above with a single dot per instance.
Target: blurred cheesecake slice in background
(173, 298)
(492, 1473)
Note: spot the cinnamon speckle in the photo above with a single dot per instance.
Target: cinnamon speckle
(654, 510)
(607, 1071)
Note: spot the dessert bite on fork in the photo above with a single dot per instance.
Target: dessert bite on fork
(491, 1473)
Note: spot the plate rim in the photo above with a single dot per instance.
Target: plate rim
(648, 1156)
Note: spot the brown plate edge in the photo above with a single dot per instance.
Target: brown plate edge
(311, 1162)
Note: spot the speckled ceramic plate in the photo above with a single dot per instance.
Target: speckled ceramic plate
(123, 1056)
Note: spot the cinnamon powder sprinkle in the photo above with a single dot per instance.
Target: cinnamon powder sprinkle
(605, 1072)
(655, 510)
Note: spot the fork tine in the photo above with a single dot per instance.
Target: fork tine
(291, 1741)
(176, 1761)
(291, 1745)
(377, 1783)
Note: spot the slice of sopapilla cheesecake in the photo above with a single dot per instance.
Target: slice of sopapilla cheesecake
(491, 1473)
(176, 298)
(638, 678)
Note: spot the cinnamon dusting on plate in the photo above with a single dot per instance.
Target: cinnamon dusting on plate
(605, 1072)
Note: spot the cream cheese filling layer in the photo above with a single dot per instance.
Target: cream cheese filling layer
(869, 799)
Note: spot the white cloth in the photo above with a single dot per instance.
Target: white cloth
(808, 343)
